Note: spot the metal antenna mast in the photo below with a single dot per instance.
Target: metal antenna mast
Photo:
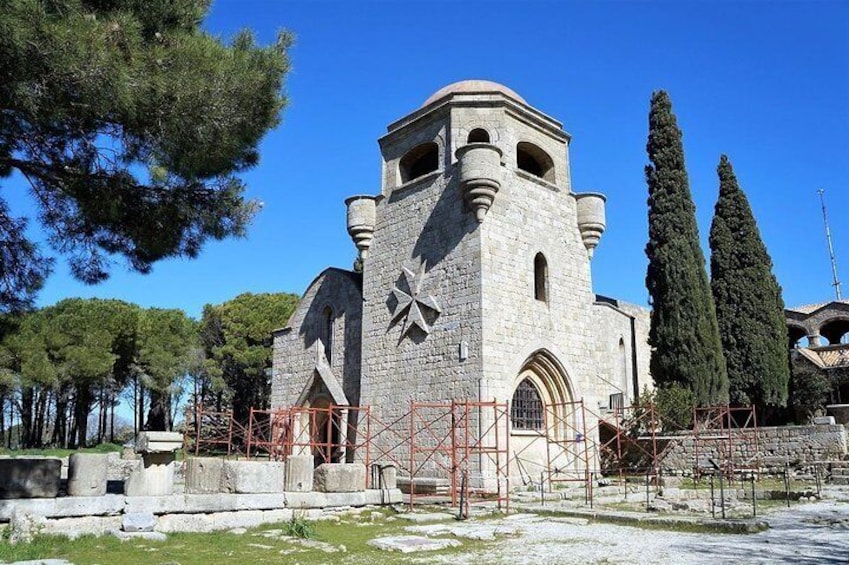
(836, 283)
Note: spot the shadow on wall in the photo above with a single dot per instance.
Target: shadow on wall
(448, 224)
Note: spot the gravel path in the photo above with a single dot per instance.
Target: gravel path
(812, 533)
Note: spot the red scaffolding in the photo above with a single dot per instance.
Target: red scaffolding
(725, 438)
(212, 432)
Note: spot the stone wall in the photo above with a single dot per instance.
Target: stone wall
(798, 446)
(296, 352)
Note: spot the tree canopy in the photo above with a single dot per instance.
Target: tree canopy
(749, 307)
(236, 336)
(130, 125)
(684, 336)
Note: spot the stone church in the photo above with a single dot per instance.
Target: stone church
(472, 279)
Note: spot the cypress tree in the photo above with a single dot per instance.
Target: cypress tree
(686, 348)
(749, 307)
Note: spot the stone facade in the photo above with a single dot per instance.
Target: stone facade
(473, 276)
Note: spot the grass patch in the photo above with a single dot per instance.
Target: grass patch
(55, 452)
(258, 545)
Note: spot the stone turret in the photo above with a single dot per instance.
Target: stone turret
(480, 170)
(591, 219)
(361, 220)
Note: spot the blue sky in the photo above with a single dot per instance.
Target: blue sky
(765, 82)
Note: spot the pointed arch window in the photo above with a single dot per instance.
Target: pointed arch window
(526, 407)
(540, 278)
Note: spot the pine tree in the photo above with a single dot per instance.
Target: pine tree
(686, 348)
(131, 125)
(749, 307)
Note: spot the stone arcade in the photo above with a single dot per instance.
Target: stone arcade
(472, 281)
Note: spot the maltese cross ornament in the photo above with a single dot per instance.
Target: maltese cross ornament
(414, 302)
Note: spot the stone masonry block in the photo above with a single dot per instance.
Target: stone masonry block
(29, 477)
(299, 473)
(87, 474)
(203, 475)
(158, 442)
(253, 477)
(340, 477)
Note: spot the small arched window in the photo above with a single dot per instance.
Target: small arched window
(526, 407)
(419, 161)
(478, 135)
(327, 333)
(534, 161)
(540, 278)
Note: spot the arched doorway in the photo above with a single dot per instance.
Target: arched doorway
(541, 411)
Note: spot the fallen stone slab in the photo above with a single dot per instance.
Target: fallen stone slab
(30, 477)
(419, 517)
(467, 530)
(43, 562)
(138, 522)
(130, 536)
(339, 477)
(411, 544)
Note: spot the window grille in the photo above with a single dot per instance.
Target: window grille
(617, 402)
(526, 408)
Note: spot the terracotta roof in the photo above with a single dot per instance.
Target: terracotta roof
(811, 308)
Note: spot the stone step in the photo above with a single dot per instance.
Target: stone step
(844, 481)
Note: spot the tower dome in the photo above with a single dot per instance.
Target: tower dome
(473, 87)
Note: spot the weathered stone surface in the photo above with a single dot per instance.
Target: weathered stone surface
(411, 544)
(252, 477)
(469, 530)
(420, 517)
(383, 496)
(81, 525)
(799, 445)
(220, 520)
(204, 503)
(154, 476)
(87, 474)
(138, 522)
(24, 526)
(306, 500)
(203, 475)
(158, 442)
(299, 473)
(387, 477)
(340, 477)
(29, 477)
(130, 536)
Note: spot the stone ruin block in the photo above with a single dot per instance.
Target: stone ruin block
(158, 442)
(299, 473)
(204, 475)
(340, 477)
(30, 477)
(253, 477)
(87, 474)
(154, 475)
(384, 476)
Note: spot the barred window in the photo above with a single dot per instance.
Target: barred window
(526, 408)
